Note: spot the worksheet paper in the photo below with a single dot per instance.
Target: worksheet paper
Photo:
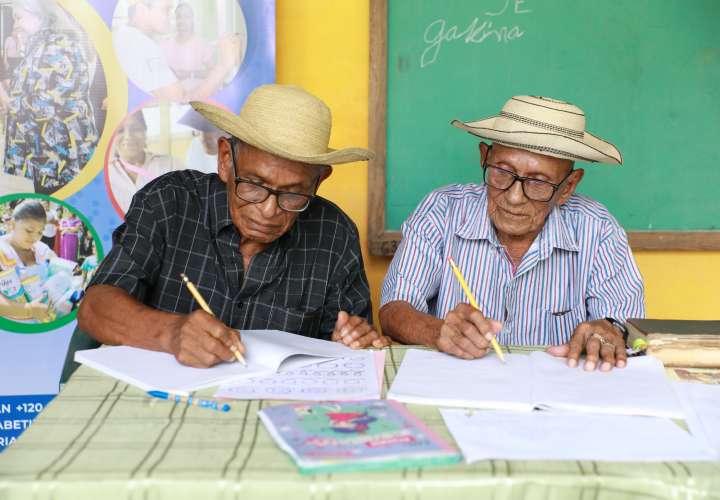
(538, 435)
(353, 378)
(702, 407)
(533, 381)
(266, 352)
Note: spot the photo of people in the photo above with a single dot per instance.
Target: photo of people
(52, 95)
(179, 50)
(43, 270)
(153, 141)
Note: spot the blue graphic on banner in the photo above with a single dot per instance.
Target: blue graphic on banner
(39, 300)
(17, 413)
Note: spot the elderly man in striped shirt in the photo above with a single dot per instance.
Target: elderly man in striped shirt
(547, 266)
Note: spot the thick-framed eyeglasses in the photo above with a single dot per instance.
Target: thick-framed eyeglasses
(534, 189)
(255, 192)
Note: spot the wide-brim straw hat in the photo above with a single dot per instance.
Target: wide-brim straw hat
(545, 126)
(285, 121)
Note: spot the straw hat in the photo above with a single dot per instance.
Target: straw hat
(546, 126)
(285, 121)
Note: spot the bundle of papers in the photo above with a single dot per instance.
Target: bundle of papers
(352, 378)
(540, 435)
(266, 352)
(537, 381)
(363, 435)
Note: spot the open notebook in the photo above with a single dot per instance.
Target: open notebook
(266, 352)
(533, 381)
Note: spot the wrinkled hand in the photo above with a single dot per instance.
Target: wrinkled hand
(357, 333)
(607, 353)
(202, 340)
(466, 333)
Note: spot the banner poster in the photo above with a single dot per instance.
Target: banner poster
(93, 106)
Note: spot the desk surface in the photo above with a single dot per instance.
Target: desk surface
(101, 438)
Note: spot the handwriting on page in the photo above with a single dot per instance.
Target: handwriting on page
(479, 30)
(345, 378)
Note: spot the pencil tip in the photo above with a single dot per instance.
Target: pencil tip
(184, 277)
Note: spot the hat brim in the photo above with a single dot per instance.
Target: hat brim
(589, 149)
(237, 127)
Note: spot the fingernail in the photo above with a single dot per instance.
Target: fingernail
(605, 367)
(572, 363)
(590, 366)
(621, 363)
(488, 336)
(355, 345)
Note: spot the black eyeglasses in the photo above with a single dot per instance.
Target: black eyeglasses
(534, 189)
(255, 192)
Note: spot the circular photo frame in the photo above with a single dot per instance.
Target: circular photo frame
(155, 139)
(180, 50)
(49, 251)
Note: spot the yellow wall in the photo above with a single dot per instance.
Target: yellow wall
(323, 46)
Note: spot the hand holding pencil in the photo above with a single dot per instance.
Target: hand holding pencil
(203, 340)
(466, 332)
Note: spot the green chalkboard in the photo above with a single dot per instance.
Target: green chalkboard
(646, 73)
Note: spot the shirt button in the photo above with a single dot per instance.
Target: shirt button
(240, 305)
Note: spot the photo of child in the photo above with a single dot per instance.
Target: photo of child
(40, 283)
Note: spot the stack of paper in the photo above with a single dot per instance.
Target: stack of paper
(266, 352)
(702, 406)
(535, 381)
(485, 435)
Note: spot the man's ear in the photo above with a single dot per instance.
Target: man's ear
(327, 170)
(569, 187)
(224, 160)
(484, 148)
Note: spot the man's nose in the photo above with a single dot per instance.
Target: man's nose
(270, 208)
(515, 193)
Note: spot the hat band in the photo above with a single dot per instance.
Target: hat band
(543, 125)
(543, 149)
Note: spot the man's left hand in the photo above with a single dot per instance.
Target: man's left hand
(357, 333)
(601, 342)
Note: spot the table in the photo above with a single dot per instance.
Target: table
(101, 438)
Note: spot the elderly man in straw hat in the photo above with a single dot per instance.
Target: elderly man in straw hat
(261, 247)
(547, 266)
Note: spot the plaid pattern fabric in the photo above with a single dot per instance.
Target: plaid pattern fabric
(101, 438)
(180, 223)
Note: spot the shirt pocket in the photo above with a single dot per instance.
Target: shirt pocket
(560, 323)
(302, 321)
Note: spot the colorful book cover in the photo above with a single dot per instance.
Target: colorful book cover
(361, 435)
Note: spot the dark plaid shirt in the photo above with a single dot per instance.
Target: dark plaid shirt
(180, 223)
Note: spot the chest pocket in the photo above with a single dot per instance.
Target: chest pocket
(560, 324)
(296, 320)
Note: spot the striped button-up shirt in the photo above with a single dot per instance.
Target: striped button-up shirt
(579, 268)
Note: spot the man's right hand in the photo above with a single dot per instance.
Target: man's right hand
(466, 333)
(202, 340)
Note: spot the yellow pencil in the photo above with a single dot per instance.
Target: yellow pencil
(205, 307)
(474, 303)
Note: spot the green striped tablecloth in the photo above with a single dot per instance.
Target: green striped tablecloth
(103, 439)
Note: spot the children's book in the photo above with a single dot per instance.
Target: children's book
(362, 435)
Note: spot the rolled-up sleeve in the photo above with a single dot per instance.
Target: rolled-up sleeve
(615, 289)
(414, 273)
(134, 261)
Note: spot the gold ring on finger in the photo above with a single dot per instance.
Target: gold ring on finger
(603, 341)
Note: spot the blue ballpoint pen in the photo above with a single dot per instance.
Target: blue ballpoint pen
(191, 401)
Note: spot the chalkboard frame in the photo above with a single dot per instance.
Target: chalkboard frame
(384, 242)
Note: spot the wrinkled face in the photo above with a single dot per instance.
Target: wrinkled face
(184, 19)
(26, 232)
(131, 138)
(511, 212)
(264, 222)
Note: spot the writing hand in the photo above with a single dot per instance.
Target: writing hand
(201, 340)
(466, 333)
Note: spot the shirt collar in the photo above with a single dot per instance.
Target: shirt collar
(218, 206)
(477, 225)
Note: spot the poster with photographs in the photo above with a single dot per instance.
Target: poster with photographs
(93, 106)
